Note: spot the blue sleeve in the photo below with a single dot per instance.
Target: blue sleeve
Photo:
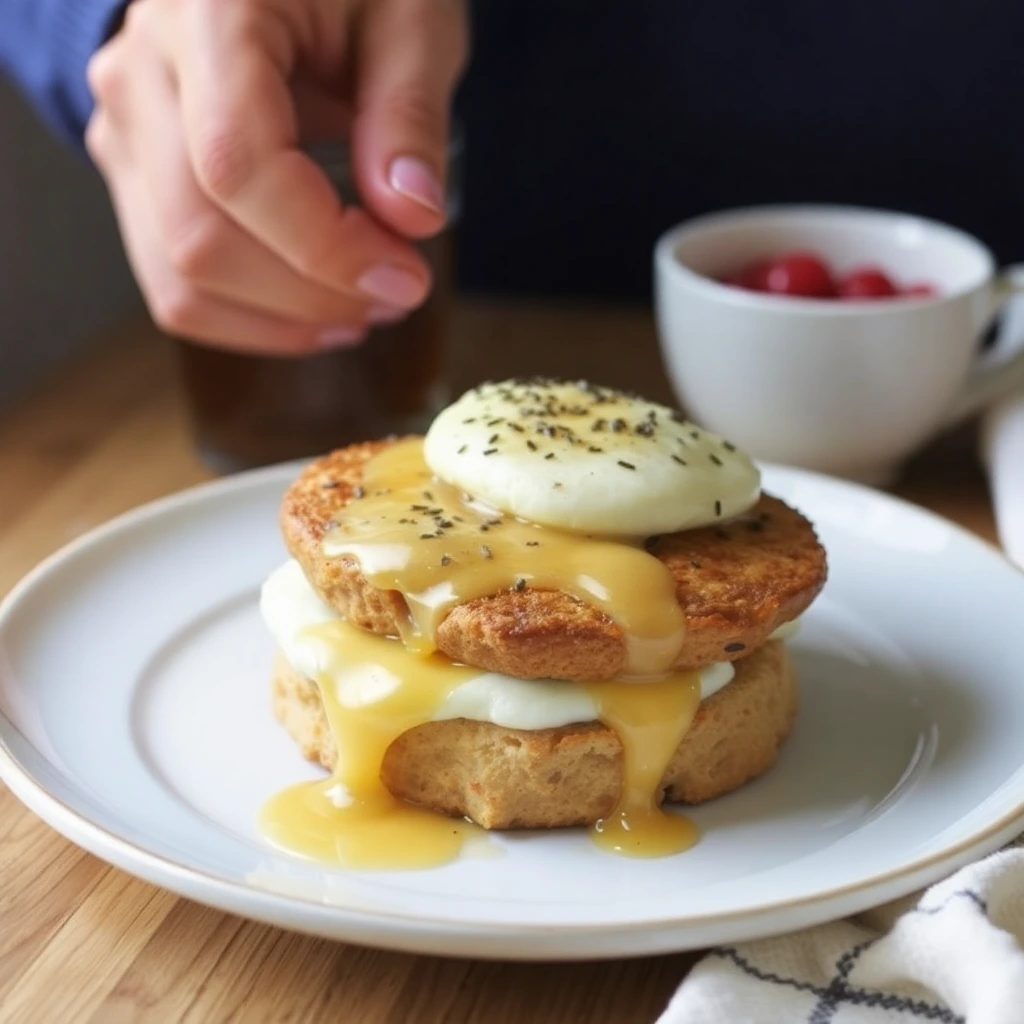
(45, 46)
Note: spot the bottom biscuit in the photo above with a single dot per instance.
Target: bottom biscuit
(548, 778)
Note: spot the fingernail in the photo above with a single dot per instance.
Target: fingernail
(340, 337)
(385, 314)
(391, 286)
(411, 177)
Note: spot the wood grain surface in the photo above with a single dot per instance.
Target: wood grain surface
(80, 941)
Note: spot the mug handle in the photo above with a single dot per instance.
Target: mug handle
(1001, 371)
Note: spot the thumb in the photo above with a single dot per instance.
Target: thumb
(409, 55)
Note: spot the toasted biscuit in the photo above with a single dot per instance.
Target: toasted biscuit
(737, 583)
(548, 778)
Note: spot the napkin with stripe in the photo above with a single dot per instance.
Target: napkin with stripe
(952, 954)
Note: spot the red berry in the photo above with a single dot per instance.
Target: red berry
(866, 283)
(920, 290)
(800, 273)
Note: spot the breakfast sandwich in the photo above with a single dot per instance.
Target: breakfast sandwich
(565, 606)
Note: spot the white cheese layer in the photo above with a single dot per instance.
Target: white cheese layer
(289, 606)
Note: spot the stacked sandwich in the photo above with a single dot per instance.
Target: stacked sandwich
(562, 607)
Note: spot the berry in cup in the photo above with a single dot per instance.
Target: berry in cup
(800, 273)
(804, 274)
(867, 283)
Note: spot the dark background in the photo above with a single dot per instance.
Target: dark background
(593, 125)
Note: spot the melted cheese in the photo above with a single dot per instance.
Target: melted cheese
(438, 548)
(650, 720)
(289, 606)
(370, 698)
(373, 690)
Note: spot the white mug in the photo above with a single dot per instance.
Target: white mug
(850, 388)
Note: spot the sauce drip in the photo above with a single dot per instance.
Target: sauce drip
(373, 690)
(650, 720)
(438, 547)
(419, 536)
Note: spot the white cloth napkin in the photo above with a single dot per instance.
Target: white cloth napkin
(952, 954)
(1002, 447)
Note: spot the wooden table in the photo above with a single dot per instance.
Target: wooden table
(80, 941)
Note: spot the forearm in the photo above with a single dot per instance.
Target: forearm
(45, 46)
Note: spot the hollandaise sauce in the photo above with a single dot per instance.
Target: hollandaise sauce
(438, 547)
(373, 690)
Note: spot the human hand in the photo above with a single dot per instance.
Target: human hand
(236, 237)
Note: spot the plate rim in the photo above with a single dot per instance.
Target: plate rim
(218, 891)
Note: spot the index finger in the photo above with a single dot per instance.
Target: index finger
(241, 132)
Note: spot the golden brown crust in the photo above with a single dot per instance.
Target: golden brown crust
(737, 582)
(548, 778)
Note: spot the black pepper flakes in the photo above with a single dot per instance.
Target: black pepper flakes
(718, 508)
(446, 559)
(549, 456)
(462, 449)
(486, 551)
(531, 445)
(735, 646)
(715, 459)
(520, 584)
(626, 465)
(533, 543)
(682, 462)
(490, 451)
(729, 446)
(493, 438)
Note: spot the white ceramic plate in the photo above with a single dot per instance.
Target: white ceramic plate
(135, 719)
